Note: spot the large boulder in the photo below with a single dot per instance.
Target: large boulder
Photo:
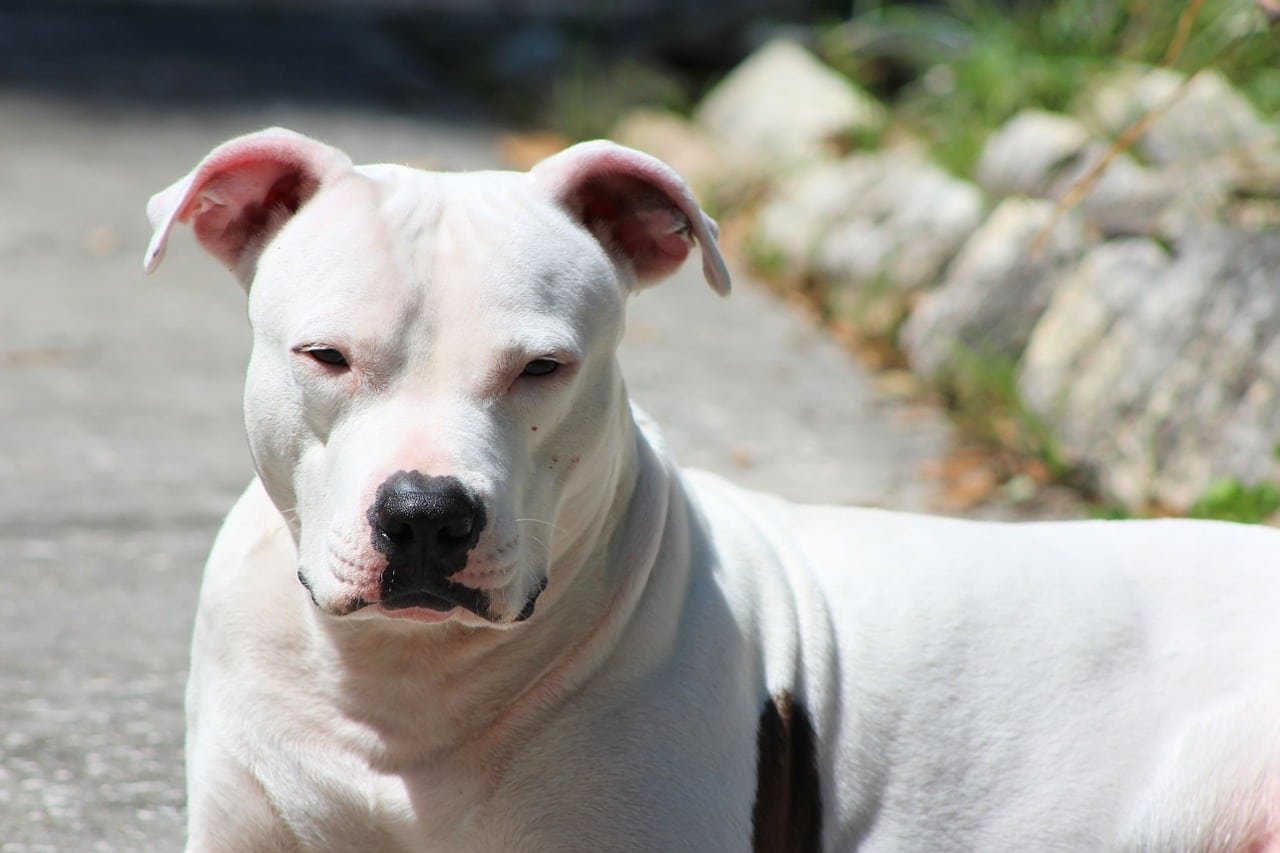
(996, 288)
(1160, 372)
(891, 218)
(1128, 199)
(1204, 120)
(1047, 155)
(1030, 152)
(787, 108)
(903, 222)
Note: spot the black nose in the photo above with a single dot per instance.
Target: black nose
(425, 526)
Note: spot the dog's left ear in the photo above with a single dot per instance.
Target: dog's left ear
(241, 193)
(639, 209)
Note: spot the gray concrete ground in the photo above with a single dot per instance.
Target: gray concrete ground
(120, 435)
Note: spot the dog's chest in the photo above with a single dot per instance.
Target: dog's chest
(549, 795)
(443, 805)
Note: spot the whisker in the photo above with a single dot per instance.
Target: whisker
(554, 527)
(546, 549)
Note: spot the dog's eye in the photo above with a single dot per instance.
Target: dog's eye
(540, 367)
(327, 355)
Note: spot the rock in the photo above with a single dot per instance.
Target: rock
(996, 288)
(786, 108)
(1028, 154)
(1209, 120)
(1128, 199)
(901, 227)
(1160, 373)
(802, 209)
(1046, 155)
(1207, 149)
(891, 218)
(1076, 363)
(720, 176)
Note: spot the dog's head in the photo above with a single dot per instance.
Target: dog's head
(433, 401)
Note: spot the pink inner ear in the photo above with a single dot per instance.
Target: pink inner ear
(636, 220)
(640, 210)
(243, 203)
(238, 209)
(241, 193)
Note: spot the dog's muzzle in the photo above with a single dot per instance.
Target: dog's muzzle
(426, 526)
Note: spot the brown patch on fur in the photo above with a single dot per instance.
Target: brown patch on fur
(787, 817)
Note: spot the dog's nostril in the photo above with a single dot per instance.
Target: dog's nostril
(455, 531)
(396, 531)
(393, 525)
(432, 519)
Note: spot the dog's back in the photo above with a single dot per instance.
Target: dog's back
(1082, 686)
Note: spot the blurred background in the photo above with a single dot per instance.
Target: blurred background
(999, 259)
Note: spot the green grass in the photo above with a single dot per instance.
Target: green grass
(876, 308)
(969, 65)
(1230, 500)
(766, 260)
(592, 93)
(981, 390)
(1111, 512)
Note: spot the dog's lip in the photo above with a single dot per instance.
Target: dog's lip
(419, 599)
(425, 605)
(418, 614)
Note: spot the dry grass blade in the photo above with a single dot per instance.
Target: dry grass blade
(1086, 182)
(1182, 33)
(1131, 134)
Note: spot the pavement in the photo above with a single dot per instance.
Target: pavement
(119, 394)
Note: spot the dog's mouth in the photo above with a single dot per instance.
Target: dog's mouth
(444, 600)
(427, 599)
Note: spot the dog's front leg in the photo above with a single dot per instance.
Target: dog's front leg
(228, 809)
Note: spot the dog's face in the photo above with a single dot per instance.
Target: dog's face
(428, 384)
(433, 400)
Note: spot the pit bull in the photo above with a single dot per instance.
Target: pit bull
(471, 603)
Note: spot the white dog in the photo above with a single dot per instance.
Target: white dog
(470, 604)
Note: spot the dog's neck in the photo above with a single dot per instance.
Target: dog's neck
(466, 686)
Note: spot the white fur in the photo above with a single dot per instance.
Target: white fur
(975, 686)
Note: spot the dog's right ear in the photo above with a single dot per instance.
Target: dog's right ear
(636, 206)
(240, 195)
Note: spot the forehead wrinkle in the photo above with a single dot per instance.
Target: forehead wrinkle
(410, 212)
(410, 215)
(406, 217)
(523, 279)
(439, 239)
(463, 321)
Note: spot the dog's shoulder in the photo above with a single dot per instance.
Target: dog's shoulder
(253, 531)
(251, 571)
